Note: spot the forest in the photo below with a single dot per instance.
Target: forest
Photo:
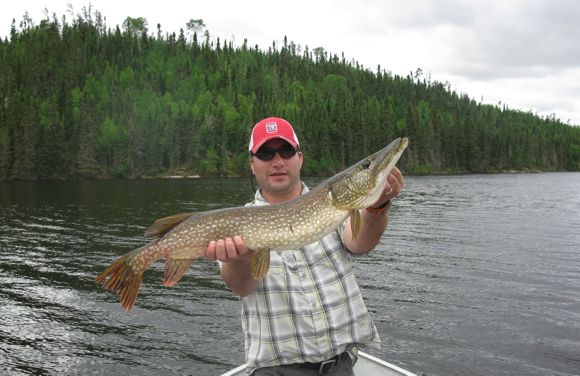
(80, 99)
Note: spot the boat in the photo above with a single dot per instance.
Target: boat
(366, 365)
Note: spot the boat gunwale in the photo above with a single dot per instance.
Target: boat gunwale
(236, 371)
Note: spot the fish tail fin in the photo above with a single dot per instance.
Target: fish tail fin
(124, 276)
(175, 269)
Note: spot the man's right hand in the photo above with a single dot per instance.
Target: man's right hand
(236, 268)
(228, 249)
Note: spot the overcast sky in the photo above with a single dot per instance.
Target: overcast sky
(523, 53)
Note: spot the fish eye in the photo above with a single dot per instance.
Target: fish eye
(365, 164)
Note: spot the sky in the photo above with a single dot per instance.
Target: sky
(521, 53)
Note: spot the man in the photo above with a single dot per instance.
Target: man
(307, 316)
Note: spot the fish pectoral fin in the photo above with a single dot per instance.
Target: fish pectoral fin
(175, 269)
(355, 223)
(163, 225)
(260, 264)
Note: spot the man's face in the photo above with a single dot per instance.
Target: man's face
(278, 176)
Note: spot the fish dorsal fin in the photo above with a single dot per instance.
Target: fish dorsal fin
(355, 223)
(163, 225)
(260, 264)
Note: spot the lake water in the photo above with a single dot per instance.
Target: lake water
(476, 275)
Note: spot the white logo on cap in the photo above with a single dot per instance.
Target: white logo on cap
(271, 128)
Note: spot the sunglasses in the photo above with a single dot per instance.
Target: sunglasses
(285, 151)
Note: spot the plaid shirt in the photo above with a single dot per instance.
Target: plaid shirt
(308, 308)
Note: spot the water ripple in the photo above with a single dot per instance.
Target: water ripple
(477, 274)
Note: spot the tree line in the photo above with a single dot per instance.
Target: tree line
(81, 100)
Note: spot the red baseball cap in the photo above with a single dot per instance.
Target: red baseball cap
(270, 128)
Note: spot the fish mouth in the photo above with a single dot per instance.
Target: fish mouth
(389, 156)
(362, 184)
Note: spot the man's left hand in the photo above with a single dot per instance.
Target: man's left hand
(393, 187)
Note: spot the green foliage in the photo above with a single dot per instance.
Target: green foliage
(209, 165)
(81, 100)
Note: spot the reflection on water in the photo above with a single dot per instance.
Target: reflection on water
(477, 275)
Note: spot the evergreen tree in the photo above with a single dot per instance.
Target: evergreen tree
(81, 100)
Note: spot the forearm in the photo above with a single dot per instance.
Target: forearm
(236, 274)
(372, 228)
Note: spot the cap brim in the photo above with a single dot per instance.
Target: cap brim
(268, 138)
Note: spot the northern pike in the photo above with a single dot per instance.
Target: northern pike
(182, 238)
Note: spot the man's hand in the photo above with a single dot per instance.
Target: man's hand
(236, 258)
(393, 187)
(228, 249)
(373, 224)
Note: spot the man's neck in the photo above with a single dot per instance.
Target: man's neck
(280, 197)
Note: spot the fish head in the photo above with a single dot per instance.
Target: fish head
(362, 184)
